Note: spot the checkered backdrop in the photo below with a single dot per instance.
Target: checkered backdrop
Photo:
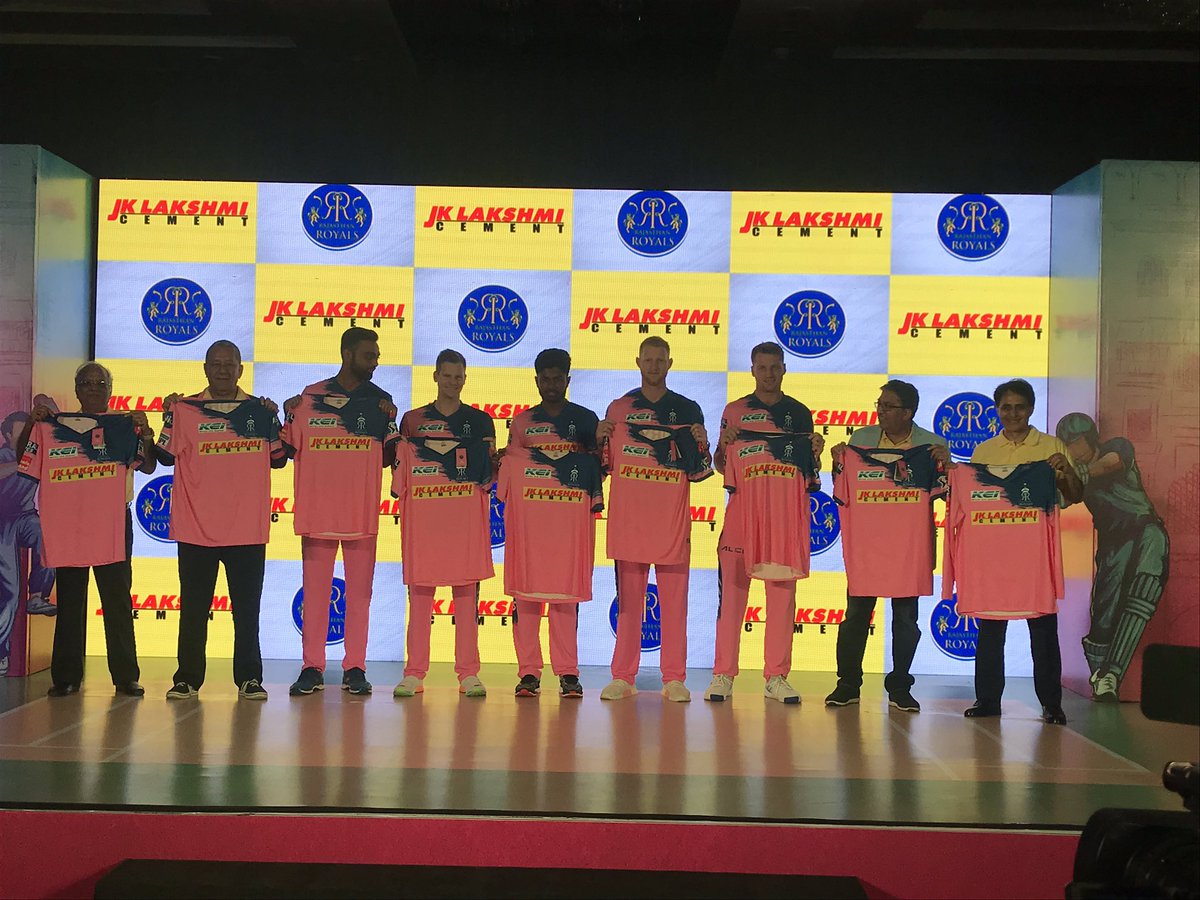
(948, 291)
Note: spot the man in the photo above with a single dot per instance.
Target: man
(649, 521)
(19, 529)
(767, 409)
(341, 433)
(448, 421)
(896, 406)
(554, 553)
(84, 462)
(1133, 552)
(223, 444)
(1019, 442)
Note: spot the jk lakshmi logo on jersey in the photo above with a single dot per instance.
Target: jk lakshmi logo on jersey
(973, 227)
(176, 311)
(955, 635)
(966, 420)
(1005, 516)
(152, 508)
(810, 324)
(652, 223)
(484, 219)
(651, 619)
(778, 223)
(337, 216)
(179, 210)
(825, 524)
(337, 612)
(990, 325)
(493, 318)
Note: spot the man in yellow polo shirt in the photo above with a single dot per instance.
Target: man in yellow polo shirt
(1019, 442)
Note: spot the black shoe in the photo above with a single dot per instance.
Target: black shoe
(311, 679)
(62, 690)
(1054, 715)
(529, 686)
(354, 681)
(569, 686)
(982, 710)
(904, 701)
(130, 689)
(842, 696)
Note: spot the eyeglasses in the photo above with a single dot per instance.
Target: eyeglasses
(92, 383)
(882, 406)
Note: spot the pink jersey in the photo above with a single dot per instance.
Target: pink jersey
(81, 463)
(444, 489)
(549, 523)
(338, 439)
(886, 500)
(652, 460)
(573, 429)
(1002, 547)
(222, 451)
(769, 476)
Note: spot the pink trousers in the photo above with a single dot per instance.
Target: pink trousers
(564, 634)
(632, 611)
(466, 630)
(358, 559)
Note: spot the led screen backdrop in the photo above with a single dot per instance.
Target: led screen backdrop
(947, 291)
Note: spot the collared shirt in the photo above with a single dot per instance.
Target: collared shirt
(1035, 447)
(875, 436)
(207, 395)
(885, 441)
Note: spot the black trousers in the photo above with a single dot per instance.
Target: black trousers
(113, 582)
(244, 567)
(852, 642)
(1047, 660)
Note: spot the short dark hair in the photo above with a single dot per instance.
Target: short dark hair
(908, 395)
(9, 425)
(654, 341)
(450, 356)
(352, 337)
(769, 348)
(224, 345)
(552, 358)
(1018, 386)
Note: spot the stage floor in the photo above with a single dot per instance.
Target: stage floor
(748, 760)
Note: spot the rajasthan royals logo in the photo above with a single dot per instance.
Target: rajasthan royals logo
(955, 635)
(493, 318)
(651, 620)
(496, 520)
(810, 324)
(973, 226)
(825, 524)
(176, 311)
(337, 216)
(152, 508)
(337, 612)
(966, 420)
(652, 223)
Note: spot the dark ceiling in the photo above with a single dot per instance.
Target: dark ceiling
(1004, 95)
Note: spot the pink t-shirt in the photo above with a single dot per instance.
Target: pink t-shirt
(652, 460)
(886, 500)
(769, 477)
(81, 463)
(338, 439)
(549, 523)
(445, 534)
(222, 451)
(1002, 549)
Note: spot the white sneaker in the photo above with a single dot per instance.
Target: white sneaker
(1104, 689)
(409, 686)
(617, 689)
(720, 688)
(778, 689)
(471, 686)
(676, 692)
